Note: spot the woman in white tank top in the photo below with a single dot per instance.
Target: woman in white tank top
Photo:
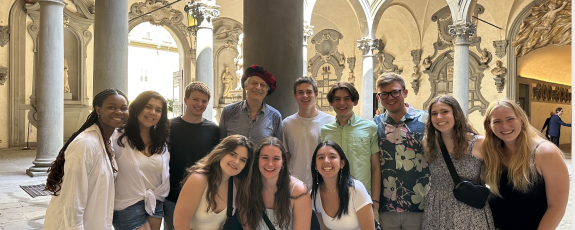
(340, 202)
(284, 198)
(143, 179)
(202, 203)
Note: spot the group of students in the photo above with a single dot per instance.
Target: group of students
(128, 166)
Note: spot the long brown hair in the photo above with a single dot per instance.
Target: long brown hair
(252, 207)
(210, 166)
(159, 133)
(522, 173)
(460, 130)
(56, 170)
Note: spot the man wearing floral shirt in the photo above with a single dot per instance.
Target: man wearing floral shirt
(404, 170)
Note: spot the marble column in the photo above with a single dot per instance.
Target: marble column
(273, 39)
(307, 33)
(461, 31)
(111, 45)
(49, 86)
(206, 12)
(367, 45)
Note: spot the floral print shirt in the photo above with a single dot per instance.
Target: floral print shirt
(404, 170)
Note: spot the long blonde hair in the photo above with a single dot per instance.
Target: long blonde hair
(522, 173)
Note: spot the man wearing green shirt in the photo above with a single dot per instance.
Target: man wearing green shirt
(356, 136)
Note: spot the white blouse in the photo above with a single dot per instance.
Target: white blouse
(358, 198)
(86, 198)
(130, 185)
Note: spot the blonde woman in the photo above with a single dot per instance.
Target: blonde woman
(526, 173)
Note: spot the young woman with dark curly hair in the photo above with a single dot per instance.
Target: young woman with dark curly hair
(81, 179)
(143, 158)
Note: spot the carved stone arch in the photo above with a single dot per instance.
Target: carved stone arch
(181, 35)
(217, 88)
(511, 92)
(441, 83)
(361, 9)
(380, 6)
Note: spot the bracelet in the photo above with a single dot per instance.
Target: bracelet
(376, 201)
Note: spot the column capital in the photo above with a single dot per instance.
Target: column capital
(204, 12)
(461, 31)
(367, 45)
(307, 32)
(52, 1)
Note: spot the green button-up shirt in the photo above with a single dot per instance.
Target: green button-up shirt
(358, 139)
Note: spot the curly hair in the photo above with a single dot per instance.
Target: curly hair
(252, 207)
(159, 133)
(56, 170)
(210, 166)
(460, 130)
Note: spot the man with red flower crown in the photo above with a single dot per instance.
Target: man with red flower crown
(252, 117)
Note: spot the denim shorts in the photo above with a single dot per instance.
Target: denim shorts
(135, 216)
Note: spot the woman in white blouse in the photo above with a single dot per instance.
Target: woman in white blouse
(81, 178)
(142, 156)
(339, 200)
(203, 201)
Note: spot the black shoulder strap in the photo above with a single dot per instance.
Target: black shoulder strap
(230, 197)
(449, 163)
(268, 222)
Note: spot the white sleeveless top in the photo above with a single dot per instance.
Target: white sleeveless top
(271, 214)
(203, 220)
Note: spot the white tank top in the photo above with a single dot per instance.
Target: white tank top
(151, 168)
(203, 220)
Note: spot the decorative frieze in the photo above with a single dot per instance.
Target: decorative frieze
(158, 17)
(551, 93)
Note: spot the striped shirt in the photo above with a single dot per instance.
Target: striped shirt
(235, 119)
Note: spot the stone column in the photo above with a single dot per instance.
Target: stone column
(49, 86)
(205, 12)
(273, 39)
(367, 45)
(111, 45)
(307, 33)
(461, 31)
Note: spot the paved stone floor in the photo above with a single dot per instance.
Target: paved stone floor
(18, 211)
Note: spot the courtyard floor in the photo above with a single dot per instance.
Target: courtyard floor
(18, 211)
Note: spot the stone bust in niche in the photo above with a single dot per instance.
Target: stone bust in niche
(484, 59)
(351, 78)
(426, 62)
(415, 74)
(499, 70)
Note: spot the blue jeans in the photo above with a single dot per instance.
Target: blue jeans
(135, 216)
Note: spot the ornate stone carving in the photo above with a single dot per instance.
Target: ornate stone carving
(462, 32)
(416, 55)
(326, 42)
(499, 71)
(500, 48)
(4, 35)
(551, 93)
(415, 79)
(441, 76)
(485, 57)
(548, 24)
(204, 12)
(445, 39)
(239, 62)
(3, 75)
(351, 63)
(307, 33)
(158, 17)
(426, 62)
(366, 45)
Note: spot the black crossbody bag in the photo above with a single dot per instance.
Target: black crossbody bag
(474, 195)
(232, 222)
